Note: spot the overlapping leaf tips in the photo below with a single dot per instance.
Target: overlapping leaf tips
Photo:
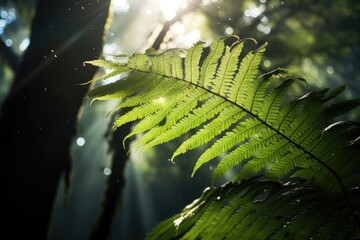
(261, 210)
(249, 118)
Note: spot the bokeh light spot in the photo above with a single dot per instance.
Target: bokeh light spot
(107, 171)
(80, 141)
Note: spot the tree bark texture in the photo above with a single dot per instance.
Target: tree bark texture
(38, 119)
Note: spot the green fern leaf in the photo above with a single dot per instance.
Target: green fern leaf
(258, 209)
(249, 119)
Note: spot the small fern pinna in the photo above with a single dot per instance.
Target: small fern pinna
(297, 168)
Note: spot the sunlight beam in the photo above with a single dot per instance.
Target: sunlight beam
(169, 8)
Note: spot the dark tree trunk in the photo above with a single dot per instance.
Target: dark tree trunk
(116, 182)
(38, 119)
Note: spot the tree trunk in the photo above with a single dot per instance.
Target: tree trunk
(38, 119)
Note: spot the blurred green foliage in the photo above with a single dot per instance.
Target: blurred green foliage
(317, 39)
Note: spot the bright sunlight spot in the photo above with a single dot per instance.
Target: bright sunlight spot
(110, 48)
(120, 6)
(253, 11)
(169, 8)
(24, 44)
(160, 100)
(193, 36)
(80, 141)
(263, 28)
(178, 28)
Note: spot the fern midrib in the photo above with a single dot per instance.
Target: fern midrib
(332, 171)
(256, 117)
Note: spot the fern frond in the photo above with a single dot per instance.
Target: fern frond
(249, 119)
(258, 209)
(214, 128)
(242, 131)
